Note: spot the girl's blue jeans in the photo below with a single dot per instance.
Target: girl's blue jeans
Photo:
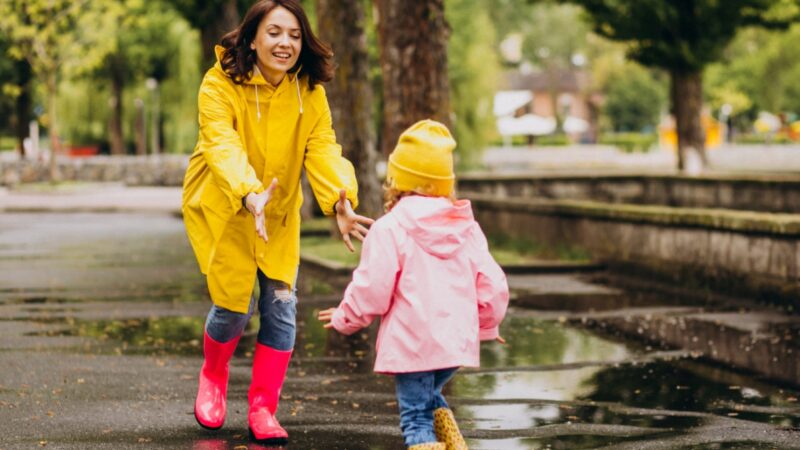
(418, 395)
(277, 308)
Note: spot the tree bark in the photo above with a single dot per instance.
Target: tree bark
(341, 23)
(686, 95)
(211, 32)
(139, 128)
(22, 105)
(117, 142)
(413, 40)
(52, 125)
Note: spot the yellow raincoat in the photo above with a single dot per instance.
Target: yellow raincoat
(250, 134)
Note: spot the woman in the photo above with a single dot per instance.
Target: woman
(263, 118)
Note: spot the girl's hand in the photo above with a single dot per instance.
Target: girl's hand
(255, 203)
(500, 339)
(325, 316)
(349, 222)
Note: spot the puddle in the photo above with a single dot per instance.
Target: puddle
(554, 385)
(153, 336)
(539, 342)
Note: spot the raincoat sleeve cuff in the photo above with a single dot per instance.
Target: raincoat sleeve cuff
(489, 334)
(341, 324)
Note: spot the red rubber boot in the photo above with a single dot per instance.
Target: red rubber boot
(269, 371)
(210, 407)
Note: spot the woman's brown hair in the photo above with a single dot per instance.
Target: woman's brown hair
(238, 58)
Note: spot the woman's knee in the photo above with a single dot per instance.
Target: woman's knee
(278, 312)
(223, 325)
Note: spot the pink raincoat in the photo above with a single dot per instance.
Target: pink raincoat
(426, 271)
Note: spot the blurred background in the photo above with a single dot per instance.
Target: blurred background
(121, 77)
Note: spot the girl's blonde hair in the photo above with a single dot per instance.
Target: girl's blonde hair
(392, 195)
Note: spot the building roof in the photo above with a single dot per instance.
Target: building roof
(566, 80)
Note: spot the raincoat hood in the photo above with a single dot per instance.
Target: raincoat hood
(436, 224)
(257, 79)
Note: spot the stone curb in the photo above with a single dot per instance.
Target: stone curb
(787, 225)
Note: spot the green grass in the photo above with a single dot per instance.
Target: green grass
(630, 142)
(516, 250)
(8, 143)
(331, 249)
(505, 249)
(317, 224)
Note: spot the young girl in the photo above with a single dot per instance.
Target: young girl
(426, 271)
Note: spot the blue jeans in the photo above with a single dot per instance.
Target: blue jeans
(418, 395)
(277, 307)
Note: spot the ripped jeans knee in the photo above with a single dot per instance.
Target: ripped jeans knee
(277, 306)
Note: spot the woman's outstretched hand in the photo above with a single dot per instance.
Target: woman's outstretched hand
(325, 316)
(350, 223)
(255, 203)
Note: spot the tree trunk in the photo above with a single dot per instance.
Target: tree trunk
(211, 32)
(117, 143)
(52, 125)
(413, 40)
(341, 23)
(22, 105)
(138, 128)
(686, 92)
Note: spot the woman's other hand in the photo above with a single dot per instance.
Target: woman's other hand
(255, 203)
(350, 223)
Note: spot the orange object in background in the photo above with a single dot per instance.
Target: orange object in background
(715, 131)
(794, 131)
(83, 150)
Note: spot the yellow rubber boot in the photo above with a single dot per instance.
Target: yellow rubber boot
(429, 446)
(446, 429)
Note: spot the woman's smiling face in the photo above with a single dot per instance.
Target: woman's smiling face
(277, 43)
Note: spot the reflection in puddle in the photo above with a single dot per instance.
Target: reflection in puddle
(559, 385)
(539, 342)
(507, 416)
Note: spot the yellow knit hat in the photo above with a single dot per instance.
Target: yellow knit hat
(422, 161)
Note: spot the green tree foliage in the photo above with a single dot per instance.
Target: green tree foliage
(213, 18)
(58, 38)
(634, 99)
(759, 72)
(16, 92)
(473, 68)
(154, 41)
(683, 37)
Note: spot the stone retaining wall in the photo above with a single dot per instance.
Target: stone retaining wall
(735, 251)
(754, 193)
(158, 170)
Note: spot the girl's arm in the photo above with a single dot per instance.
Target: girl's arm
(369, 294)
(221, 145)
(492, 289)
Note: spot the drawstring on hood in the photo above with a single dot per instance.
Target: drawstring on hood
(219, 50)
(296, 85)
(258, 105)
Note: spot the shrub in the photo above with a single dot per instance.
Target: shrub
(629, 142)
